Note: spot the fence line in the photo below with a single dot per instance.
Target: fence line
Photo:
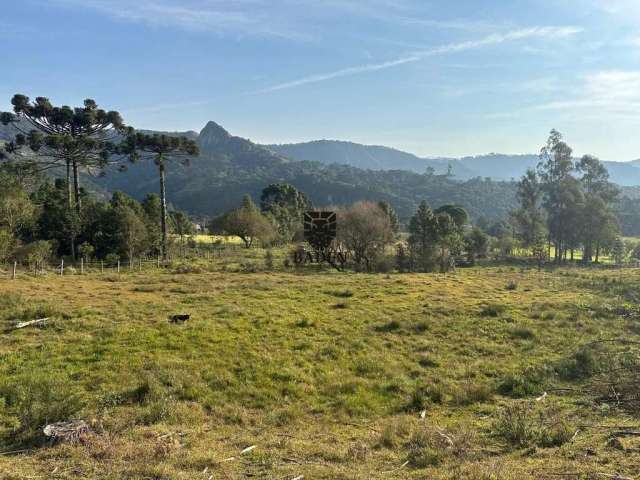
(81, 266)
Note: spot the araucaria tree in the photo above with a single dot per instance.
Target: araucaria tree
(76, 138)
(162, 149)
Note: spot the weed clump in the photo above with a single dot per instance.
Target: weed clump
(523, 333)
(423, 395)
(580, 365)
(512, 285)
(522, 425)
(471, 393)
(342, 293)
(493, 310)
(526, 384)
(391, 326)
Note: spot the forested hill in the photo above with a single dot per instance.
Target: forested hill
(493, 165)
(230, 166)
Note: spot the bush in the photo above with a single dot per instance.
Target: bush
(522, 425)
(493, 310)
(432, 446)
(523, 385)
(512, 285)
(471, 393)
(523, 333)
(423, 395)
(391, 326)
(33, 400)
(582, 364)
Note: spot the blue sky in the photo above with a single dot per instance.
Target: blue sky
(456, 77)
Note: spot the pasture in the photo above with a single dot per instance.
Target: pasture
(326, 375)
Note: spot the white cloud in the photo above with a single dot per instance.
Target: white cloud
(494, 39)
(607, 94)
(614, 92)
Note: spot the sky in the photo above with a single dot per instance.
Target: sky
(432, 77)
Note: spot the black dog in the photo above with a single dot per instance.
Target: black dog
(179, 318)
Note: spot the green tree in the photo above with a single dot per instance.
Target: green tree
(422, 237)
(393, 216)
(248, 223)
(55, 220)
(529, 218)
(477, 244)
(17, 212)
(619, 250)
(560, 195)
(599, 197)
(286, 205)
(457, 213)
(162, 148)
(151, 205)
(8, 244)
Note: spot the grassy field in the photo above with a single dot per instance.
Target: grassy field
(328, 375)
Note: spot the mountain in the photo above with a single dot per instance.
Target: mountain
(230, 166)
(368, 157)
(493, 165)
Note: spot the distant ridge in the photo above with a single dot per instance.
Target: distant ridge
(493, 165)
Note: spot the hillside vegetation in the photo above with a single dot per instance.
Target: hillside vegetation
(229, 167)
(328, 375)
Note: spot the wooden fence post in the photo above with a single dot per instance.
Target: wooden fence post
(82, 265)
(158, 261)
(101, 266)
(62, 267)
(15, 266)
(118, 266)
(140, 264)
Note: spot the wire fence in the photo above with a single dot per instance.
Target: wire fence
(84, 266)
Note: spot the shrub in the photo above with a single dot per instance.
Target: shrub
(523, 333)
(515, 425)
(493, 310)
(580, 365)
(342, 293)
(512, 285)
(471, 393)
(392, 433)
(524, 384)
(33, 400)
(422, 396)
(390, 326)
(522, 425)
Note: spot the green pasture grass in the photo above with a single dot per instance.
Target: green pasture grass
(330, 375)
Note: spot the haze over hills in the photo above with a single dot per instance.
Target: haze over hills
(493, 165)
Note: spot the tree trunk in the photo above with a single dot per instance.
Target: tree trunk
(597, 252)
(69, 187)
(76, 186)
(163, 208)
(72, 240)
